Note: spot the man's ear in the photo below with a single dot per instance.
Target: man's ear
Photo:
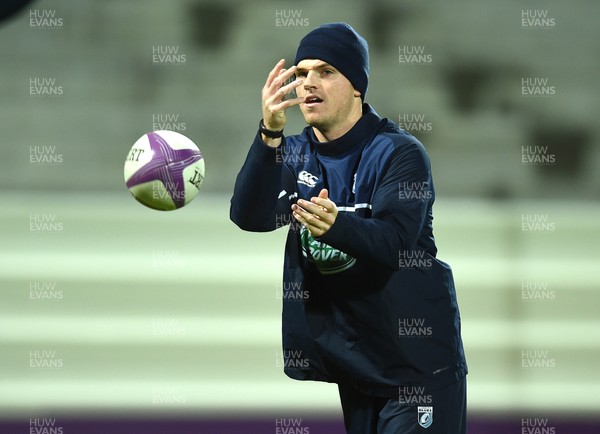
(357, 94)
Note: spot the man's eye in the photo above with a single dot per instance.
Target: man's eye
(327, 71)
(300, 74)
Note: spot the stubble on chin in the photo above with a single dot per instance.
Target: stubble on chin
(320, 125)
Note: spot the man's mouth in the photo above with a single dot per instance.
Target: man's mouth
(312, 100)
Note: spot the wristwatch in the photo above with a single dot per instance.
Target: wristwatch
(269, 133)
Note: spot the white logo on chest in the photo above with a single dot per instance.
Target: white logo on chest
(307, 178)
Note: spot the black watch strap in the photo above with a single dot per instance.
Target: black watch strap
(269, 133)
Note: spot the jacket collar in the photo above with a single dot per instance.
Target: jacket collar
(361, 131)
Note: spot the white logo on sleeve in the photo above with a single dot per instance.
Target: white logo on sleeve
(307, 178)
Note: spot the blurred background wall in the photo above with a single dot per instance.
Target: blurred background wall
(177, 314)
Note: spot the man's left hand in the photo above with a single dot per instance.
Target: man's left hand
(318, 215)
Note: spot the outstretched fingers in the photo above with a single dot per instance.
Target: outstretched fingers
(274, 102)
(274, 72)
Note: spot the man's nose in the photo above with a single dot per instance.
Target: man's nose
(310, 81)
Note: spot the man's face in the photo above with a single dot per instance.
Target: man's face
(329, 96)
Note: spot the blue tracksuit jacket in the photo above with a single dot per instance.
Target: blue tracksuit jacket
(368, 302)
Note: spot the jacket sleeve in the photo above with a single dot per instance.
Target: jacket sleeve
(400, 207)
(259, 202)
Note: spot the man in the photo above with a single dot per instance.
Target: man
(377, 312)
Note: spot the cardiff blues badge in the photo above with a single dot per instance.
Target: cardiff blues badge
(425, 416)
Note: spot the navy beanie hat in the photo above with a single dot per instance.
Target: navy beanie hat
(343, 48)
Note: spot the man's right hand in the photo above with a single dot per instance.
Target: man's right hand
(274, 103)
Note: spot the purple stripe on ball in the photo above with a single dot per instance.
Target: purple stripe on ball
(167, 165)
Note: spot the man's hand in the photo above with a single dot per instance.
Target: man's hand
(318, 215)
(274, 103)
